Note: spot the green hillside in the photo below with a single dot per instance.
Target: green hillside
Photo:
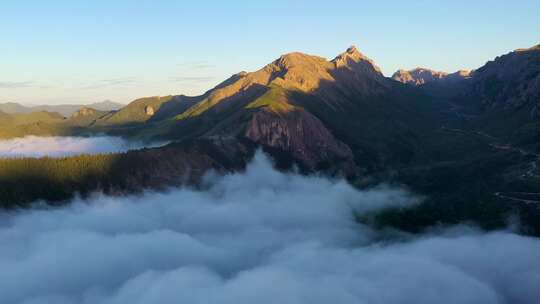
(138, 111)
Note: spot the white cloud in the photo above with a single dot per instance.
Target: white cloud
(34, 146)
(256, 237)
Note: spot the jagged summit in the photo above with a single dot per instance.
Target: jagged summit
(352, 49)
(352, 58)
(352, 52)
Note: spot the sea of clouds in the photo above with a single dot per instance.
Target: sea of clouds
(57, 146)
(256, 237)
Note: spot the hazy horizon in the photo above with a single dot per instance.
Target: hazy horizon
(188, 48)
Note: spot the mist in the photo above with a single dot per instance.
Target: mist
(261, 236)
(58, 146)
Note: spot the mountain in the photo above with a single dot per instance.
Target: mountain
(65, 110)
(319, 111)
(502, 98)
(36, 123)
(341, 111)
(340, 115)
(423, 76)
(145, 109)
(12, 108)
(509, 81)
(469, 142)
(25, 118)
(418, 76)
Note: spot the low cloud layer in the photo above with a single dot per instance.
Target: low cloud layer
(257, 237)
(34, 146)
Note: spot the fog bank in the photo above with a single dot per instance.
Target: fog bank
(57, 146)
(257, 237)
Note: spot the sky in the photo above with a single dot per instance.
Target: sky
(56, 52)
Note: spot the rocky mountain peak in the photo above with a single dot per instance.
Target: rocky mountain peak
(350, 70)
(353, 53)
(352, 50)
(353, 59)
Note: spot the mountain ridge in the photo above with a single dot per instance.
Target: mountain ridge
(471, 145)
(424, 76)
(64, 109)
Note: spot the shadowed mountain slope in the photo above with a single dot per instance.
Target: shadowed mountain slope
(504, 98)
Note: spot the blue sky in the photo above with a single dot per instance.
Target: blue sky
(87, 51)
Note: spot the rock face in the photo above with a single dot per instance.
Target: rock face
(84, 112)
(149, 110)
(301, 134)
(422, 76)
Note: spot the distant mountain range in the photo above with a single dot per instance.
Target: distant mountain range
(463, 138)
(65, 110)
(422, 76)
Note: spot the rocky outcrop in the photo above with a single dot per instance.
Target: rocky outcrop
(418, 76)
(149, 110)
(303, 136)
(84, 112)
